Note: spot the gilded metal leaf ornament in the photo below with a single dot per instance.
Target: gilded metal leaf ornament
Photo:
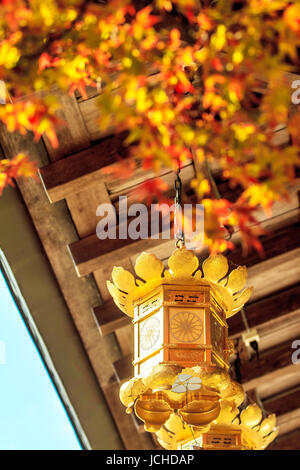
(148, 267)
(228, 413)
(251, 416)
(184, 266)
(237, 279)
(123, 279)
(241, 299)
(215, 268)
(183, 263)
(267, 425)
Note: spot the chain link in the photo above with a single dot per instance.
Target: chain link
(179, 236)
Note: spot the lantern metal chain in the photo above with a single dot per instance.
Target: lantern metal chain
(178, 222)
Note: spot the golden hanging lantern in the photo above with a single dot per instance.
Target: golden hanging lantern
(181, 387)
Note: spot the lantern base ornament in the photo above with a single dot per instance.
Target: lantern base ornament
(232, 430)
(194, 394)
(181, 388)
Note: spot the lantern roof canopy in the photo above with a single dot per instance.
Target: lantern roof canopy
(228, 287)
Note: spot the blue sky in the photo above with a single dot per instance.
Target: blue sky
(32, 416)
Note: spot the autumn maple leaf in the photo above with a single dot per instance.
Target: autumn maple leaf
(19, 166)
(45, 61)
(150, 190)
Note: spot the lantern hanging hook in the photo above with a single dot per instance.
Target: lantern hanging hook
(178, 220)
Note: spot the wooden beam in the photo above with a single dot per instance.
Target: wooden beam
(276, 381)
(274, 306)
(274, 244)
(289, 421)
(109, 318)
(72, 136)
(279, 330)
(81, 170)
(87, 168)
(87, 254)
(123, 368)
(90, 111)
(281, 271)
(290, 441)
(284, 402)
(276, 331)
(90, 253)
(118, 188)
(276, 358)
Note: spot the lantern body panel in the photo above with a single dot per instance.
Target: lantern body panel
(179, 324)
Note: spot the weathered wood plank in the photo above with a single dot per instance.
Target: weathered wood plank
(110, 318)
(267, 309)
(276, 358)
(123, 368)
(81, 170)
(284, 402)
(288, 422)
(276, 381)
(118, 188)
(281, 271)
(283, 214)
(279, 330)
(285, 239)
(91, 168)
(124, 334)
(290, 441)
(83, 206)
(72, 136)
(91, 253)
(91, 114)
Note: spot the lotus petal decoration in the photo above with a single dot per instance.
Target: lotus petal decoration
(269, 438)
(251, 416)
(120, 299)
(227, 414)
(267, 425)
(123, 279)
(148, 267)
(237, 279)
(241, 299)
(215, 268)
(130, 390)
(183, 263)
